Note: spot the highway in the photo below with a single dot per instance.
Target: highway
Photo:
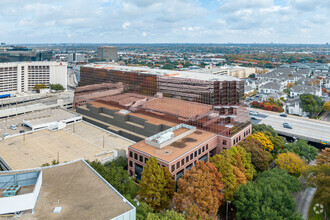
(303, 128)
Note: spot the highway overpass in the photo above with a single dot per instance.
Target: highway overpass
(302, 128)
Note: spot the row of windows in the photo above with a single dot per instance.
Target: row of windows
(190, 157)
(237, 139)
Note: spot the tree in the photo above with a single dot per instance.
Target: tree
(197, 195)
(39, 86)
(56, 87)
(326, 106)
(223, 162)
(259, 157)
(302, 149)
(290, 162)
(318, 176)
(289, 85)
(323, 157)
(242, 160)
(153, 186)
(117, 177)
(168, 215)
(170, 185)
(310, 104)
(263, 127)
(264, 140)
(142, 209)
(269, 197)
(252, 76)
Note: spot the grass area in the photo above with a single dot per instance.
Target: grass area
(312, 215)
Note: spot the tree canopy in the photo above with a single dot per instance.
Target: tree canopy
(263, 127)
(57, 87)
(311, 103)
(290, 162)
(264, 140)
(259, 157)
(326, 106)
(269, 197)
(154, 187)
(302, 149)
(199, 192)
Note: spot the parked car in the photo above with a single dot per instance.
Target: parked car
(287, 125)
(13, 127)
(21, 131)
(253, 118)
(283, 115)
(5, 134)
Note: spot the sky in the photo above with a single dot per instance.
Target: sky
(164, 21)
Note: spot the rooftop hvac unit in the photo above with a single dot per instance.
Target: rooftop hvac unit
(165, 137)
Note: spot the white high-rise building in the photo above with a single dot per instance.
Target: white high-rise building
(23, 76)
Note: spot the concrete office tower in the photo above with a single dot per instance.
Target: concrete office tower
(107, 53)
(23, 76)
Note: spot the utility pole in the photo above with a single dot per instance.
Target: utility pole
(227, 209)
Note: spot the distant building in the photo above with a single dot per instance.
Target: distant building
(297, 90)
(18, 54)
(23, 76)
(108, 53)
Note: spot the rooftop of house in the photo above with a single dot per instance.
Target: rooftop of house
(162, 72)
(82, 194)
(304, 89)
(174, 150)
(271, 85)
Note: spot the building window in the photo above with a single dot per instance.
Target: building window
(141, 158)
(135, 156)
(178, 165)
(131, 154)
(130, 163)
(203, 149)
(224, 142)
(191, 156)
(199, 151)
(239, 138)
(173, 168)
(182, 162)
(187, 159)
(196, 153)
(234, 141)
(207, 146)
(145, 160)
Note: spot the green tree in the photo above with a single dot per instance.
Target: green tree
(259, 157)
(169, 187)
(252, 76)
(242, 160)
(117, 177)
(168, 215)
(302, 149)
(142, 209)
(311, 104)
(269, 197)
(263, 127)
(326, 106)
(153, 186)
(57, 87)
(223, 162)
(290, 162)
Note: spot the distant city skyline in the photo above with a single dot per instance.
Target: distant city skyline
(165, 21)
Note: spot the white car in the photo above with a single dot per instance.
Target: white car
(13, 127)
(253, 113)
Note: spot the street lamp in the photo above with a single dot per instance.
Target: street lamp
(227, 209)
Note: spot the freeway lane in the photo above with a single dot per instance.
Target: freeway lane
(303, 128)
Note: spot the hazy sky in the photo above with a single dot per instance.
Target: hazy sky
(164, 21)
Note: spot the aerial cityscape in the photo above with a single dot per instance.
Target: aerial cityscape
(161, 110)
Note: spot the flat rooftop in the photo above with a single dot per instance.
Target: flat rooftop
(126, 99)
(178, 107)
(149, 119)
(83, 194)
(79, 140)
(49, 115)
(177, 148)
(161, 72)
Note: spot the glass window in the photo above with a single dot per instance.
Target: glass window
(135, 156)
(187, 159)
(131, 154)
(141, 158)
(173, 168)
(224, 142)
(178, 164)
(130, 163)
(182, 162)
(195, 153)
(191, 156)
(199, 151)
(203, 149)
(145, 160)
(207, 146)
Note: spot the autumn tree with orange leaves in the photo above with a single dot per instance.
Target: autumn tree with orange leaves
(199, 192)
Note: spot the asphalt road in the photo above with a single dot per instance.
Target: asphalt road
(313, 130)
(304, 200)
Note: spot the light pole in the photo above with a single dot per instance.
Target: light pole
(227, 209)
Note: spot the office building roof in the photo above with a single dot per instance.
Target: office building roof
(79, 140)
(176, 149)
(162, 72)
(82, 194)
